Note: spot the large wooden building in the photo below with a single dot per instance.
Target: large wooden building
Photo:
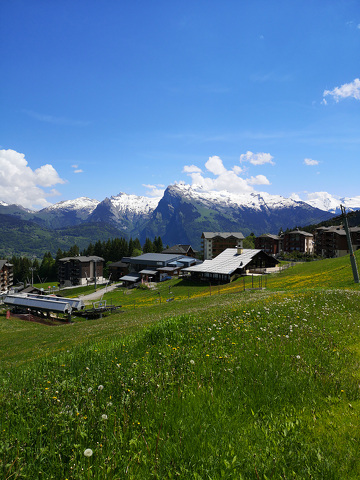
(213, 243)
(271, 244)
(6, 275)
(80, 270)
(298, 241)
(331, 242)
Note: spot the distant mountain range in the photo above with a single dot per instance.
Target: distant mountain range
(180, 216)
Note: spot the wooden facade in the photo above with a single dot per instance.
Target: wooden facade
(6, 275)
(80, 270)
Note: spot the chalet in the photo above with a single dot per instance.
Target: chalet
(213, 243)
(181, 249)
(6, 275)
(332, 242)
(271, 244)
(298, 241)
(232, 263)
(80, 270)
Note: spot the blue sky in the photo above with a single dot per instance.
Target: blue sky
(102, 97)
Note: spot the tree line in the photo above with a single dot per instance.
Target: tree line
(27, 269)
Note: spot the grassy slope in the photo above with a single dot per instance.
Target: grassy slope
(260, 384)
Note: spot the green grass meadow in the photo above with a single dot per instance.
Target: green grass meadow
(223, 382)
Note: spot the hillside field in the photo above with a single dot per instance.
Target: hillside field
(252, 380)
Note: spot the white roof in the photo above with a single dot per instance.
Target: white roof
(226, 262)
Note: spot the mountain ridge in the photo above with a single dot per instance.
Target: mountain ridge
(179, 216)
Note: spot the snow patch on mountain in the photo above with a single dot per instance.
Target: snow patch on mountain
(83, 204)
(256, 201)
(138, 205)
(331, 203)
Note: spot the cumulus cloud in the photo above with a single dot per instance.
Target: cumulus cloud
(191, 169)
(215, 166)
(310, 162)
(256, 158)
(348, 90)
(21, 185)
(258, 180)
(154, 190)
(220, 178)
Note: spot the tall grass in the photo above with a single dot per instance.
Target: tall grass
(265, 389)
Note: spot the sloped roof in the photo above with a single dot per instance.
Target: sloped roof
(82, 259)
(226, 262)
(179, 248)
(5, 262)
(301, 232)
(269, 235)
(210, 235)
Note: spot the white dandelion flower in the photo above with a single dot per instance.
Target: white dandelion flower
(88, 452)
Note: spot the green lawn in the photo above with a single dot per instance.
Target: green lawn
(255, 384)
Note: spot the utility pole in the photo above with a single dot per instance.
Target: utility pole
(352, 256)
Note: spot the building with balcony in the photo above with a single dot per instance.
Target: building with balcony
(270, 244)
(6, 275)
(80, 270)
(214, 243)
(331, 242)
(298, 241)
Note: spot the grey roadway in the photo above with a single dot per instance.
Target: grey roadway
(99, 293)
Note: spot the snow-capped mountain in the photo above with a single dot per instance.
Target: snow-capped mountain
(181, 215)
(256, 201)
(83, 205)
(67, 213)
(326, 201)
(184, 212)
(125, 211)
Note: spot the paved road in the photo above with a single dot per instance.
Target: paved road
(99, 293)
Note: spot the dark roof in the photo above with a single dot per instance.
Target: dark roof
(83, 259)
(270, 235)
(151, 257)
(210, 235)
(177, 249)
(118, 264)
(301, 232)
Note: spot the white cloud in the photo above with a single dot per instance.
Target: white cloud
(258, 180)
(77, 169)
(347, 90)
(215, 165)
(154, 190)
(310, 162)
(191, 169)
(21, 185)
(256, 158)
(223, 179)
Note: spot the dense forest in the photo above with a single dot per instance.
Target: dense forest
(27, 270)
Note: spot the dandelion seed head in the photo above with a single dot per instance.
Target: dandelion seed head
(88, 452)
